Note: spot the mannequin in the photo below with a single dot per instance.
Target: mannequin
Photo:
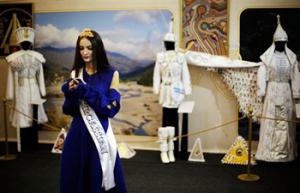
(25, 86)
(279, 85)
(171, 80)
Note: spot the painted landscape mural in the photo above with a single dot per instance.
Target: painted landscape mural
(131, 38)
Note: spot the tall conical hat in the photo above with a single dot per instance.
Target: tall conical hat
(280, 34)
(170, 37)
(25, 34)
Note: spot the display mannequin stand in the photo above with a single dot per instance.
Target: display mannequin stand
(184, 109)
(7, 156)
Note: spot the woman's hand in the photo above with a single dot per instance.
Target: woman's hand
(73, 84)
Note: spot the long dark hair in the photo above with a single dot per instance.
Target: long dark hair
(100, 61)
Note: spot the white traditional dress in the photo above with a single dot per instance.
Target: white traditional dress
(279, 82)
(171, 78)
(277, 141)
(25, 86)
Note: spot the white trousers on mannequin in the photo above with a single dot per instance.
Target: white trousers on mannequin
(166, 140)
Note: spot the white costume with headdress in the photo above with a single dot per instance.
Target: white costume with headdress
(171, 80)
(171, 77)
(25, 82)
(279, 83)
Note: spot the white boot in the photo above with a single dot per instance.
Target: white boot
(163, 137)
(171, 139)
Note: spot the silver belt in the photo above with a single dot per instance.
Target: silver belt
(280, 80)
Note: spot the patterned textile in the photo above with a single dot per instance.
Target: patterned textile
(242, 82)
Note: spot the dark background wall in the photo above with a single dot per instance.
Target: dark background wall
(257, 27)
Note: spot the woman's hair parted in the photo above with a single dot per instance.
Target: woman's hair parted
(100, 61)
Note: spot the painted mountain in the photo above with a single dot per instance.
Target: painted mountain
(59, 63)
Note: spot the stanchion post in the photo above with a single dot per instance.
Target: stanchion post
(248, 176)
(7, 156)
(249, 142)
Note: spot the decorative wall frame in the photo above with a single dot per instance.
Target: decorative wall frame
(11, 17)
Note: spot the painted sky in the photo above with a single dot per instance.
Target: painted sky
(136, 34)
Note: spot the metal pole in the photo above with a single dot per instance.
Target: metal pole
(248, 176)
(7, 156)
(249, 143)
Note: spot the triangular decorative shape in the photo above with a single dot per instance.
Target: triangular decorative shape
(238, 153)
(197, 152)
(125, 151)
(59, 142)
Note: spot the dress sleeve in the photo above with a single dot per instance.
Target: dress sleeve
(156, 73)
(103, 104)
(261, 80)
(10, 84)
(71, 103)
(295, 81)
(186, 79)
(41, 80)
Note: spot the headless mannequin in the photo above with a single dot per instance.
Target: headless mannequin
(29, 135)
(170, 115)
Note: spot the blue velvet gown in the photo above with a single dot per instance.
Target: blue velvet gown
(80, 163)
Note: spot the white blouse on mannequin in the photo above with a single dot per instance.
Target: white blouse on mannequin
(26, 86)
(171, 68)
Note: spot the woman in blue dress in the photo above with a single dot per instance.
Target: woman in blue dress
(90, 162)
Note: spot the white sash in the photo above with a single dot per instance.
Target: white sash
(105, 144)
